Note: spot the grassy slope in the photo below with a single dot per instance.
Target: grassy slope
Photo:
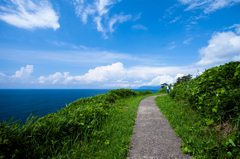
(86, 128)
(117, 132)
(199, 139)
(115, 135)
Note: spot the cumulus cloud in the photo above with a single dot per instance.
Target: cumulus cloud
(208, 6)
(223, 47)
(53, 78)
(24, 72)
(99, 74)
(2, 77)
(118, 74)
(139, 26)
(29, 14)
(164, 79)
(99, 13)
(2, 74)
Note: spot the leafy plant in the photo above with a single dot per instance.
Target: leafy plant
(214, 98)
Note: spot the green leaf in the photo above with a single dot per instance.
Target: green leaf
(185, 150)
(222, 91)
(230, 140)
(229, 153)
(214, 110)
(106, 142)
(210, 122)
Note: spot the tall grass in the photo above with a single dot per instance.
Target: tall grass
(94, 127)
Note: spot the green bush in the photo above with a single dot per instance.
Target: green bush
(215, 94)
(215, 97)
(163, 90)
(123, 93)
(143, 92)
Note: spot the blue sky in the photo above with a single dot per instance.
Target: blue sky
(113, 43)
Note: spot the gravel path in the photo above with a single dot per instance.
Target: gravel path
(153, 137)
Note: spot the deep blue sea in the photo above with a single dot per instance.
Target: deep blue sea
(19, 103)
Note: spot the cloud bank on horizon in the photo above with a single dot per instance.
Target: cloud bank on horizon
(135, 47)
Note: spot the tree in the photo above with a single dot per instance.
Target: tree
(164, 85)
(183, 79)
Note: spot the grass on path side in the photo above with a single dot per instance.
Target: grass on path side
(115, 135)
(199, 140)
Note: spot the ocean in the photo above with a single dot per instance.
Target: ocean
(20, 103)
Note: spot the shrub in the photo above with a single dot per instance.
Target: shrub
(163, 90)
(123, 93)
(215, 94)
(143, 92)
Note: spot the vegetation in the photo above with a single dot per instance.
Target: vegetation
(164, 85)
(205, 112)
(163, 90)
(183, 79)
(94, 127)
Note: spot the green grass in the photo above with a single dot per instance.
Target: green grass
(116, 133)
(94, 127)
(200, 138)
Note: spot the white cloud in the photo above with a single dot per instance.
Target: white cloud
(99, 12)
(118, 18)
(76, 57)
(208, 5)
(121, 81)
(53, 78)
(140, 81)
(102, 6)
(118, 74)
(219, 4)
(67, 45)
(176, 19)
(187, 41)
(122, 85)
(29, 14)
(88, 11)
(139, 26)
(100, 74)
(136, 17)
(164, 79)
(172, 47)
(236, 58)
(24, 72)
(237, 28)
(2, 74)
(170, 11)
(223, 47)
(100, 28)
